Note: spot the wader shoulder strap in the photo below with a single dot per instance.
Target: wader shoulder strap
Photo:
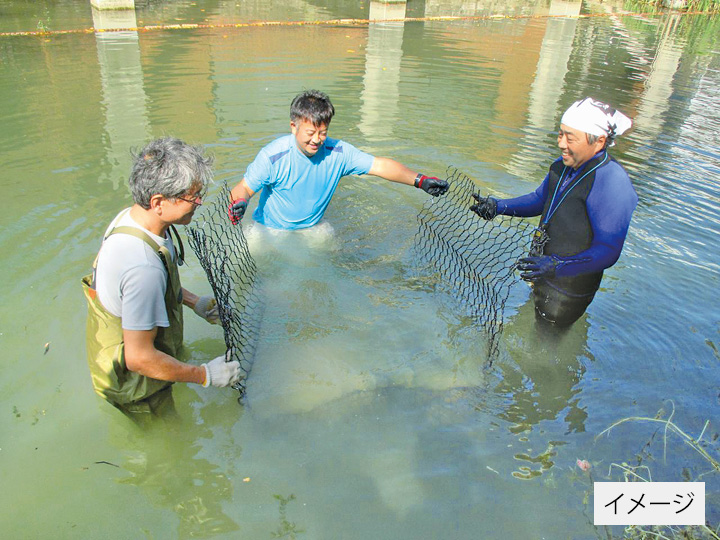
(137, 233)
(162, 251)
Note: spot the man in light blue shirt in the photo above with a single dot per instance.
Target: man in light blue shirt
(298, 173)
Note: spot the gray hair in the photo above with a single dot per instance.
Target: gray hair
(592, 139)
(168, 167)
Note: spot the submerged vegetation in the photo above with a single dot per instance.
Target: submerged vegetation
(705, 449)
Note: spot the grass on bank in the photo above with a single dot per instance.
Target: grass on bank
(709, 6)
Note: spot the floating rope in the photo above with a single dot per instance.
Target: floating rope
(475, 259)
(223, 253)
(329, 22)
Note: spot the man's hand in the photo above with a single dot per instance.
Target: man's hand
(485, 208)
(221, 373)
(236, 210)
(430, 184)
(536, 268)
(207, 308)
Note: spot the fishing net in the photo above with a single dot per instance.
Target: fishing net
(223, 253)
(474, 259)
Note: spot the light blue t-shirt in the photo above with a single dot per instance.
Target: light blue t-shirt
(296, 189)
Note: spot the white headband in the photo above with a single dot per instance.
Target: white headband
(596, 118)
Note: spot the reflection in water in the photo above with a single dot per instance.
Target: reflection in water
(163, 462)
(658, 88)
(544, 99)
(124, 101)
(543, 381)
(381, 82)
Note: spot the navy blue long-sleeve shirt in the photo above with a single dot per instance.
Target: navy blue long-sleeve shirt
(610, 205)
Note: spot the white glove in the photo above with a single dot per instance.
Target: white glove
(220, 373)
(207, 308)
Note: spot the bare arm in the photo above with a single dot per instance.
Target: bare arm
(189, 298)
(142, 357)
(241, 191)
(391, 170)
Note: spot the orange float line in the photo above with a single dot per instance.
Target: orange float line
(330, 22)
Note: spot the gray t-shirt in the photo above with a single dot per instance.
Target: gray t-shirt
(131, 279)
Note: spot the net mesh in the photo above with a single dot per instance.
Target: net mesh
(474, 259)
(222, 250)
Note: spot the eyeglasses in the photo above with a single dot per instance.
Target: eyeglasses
(196, 199)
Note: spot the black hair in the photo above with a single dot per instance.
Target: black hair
(312, 105)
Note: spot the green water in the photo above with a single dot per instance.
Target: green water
(368, 413)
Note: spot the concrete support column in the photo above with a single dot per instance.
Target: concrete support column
(385, 10)
(113, 4)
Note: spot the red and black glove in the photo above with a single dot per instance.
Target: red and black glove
(430, 184)
(236, 210)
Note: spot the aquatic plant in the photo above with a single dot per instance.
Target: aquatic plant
(287, 528)
(640, 471)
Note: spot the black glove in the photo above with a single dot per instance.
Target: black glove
(236, 210)
(430, 184)
(542, 267)
(485, 208)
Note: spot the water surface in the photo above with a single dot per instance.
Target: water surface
(368, 413)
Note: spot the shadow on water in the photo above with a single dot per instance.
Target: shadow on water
(535, 388)
(543, 379)
(163, 460)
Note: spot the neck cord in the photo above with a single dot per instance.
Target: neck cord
(551, 210)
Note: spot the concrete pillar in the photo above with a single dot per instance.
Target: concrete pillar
(387, 10)
(381, 83)
(112, 4)
(115, 19)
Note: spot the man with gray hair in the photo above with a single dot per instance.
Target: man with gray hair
(585, 202)
(135, 320)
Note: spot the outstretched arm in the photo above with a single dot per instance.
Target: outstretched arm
(528, 205)
(391, 170)
(142, 357)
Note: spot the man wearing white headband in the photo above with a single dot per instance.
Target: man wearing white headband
(585, 202)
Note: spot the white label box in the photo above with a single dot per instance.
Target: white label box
(649, 503)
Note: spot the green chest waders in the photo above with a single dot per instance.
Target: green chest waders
(111, 379)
